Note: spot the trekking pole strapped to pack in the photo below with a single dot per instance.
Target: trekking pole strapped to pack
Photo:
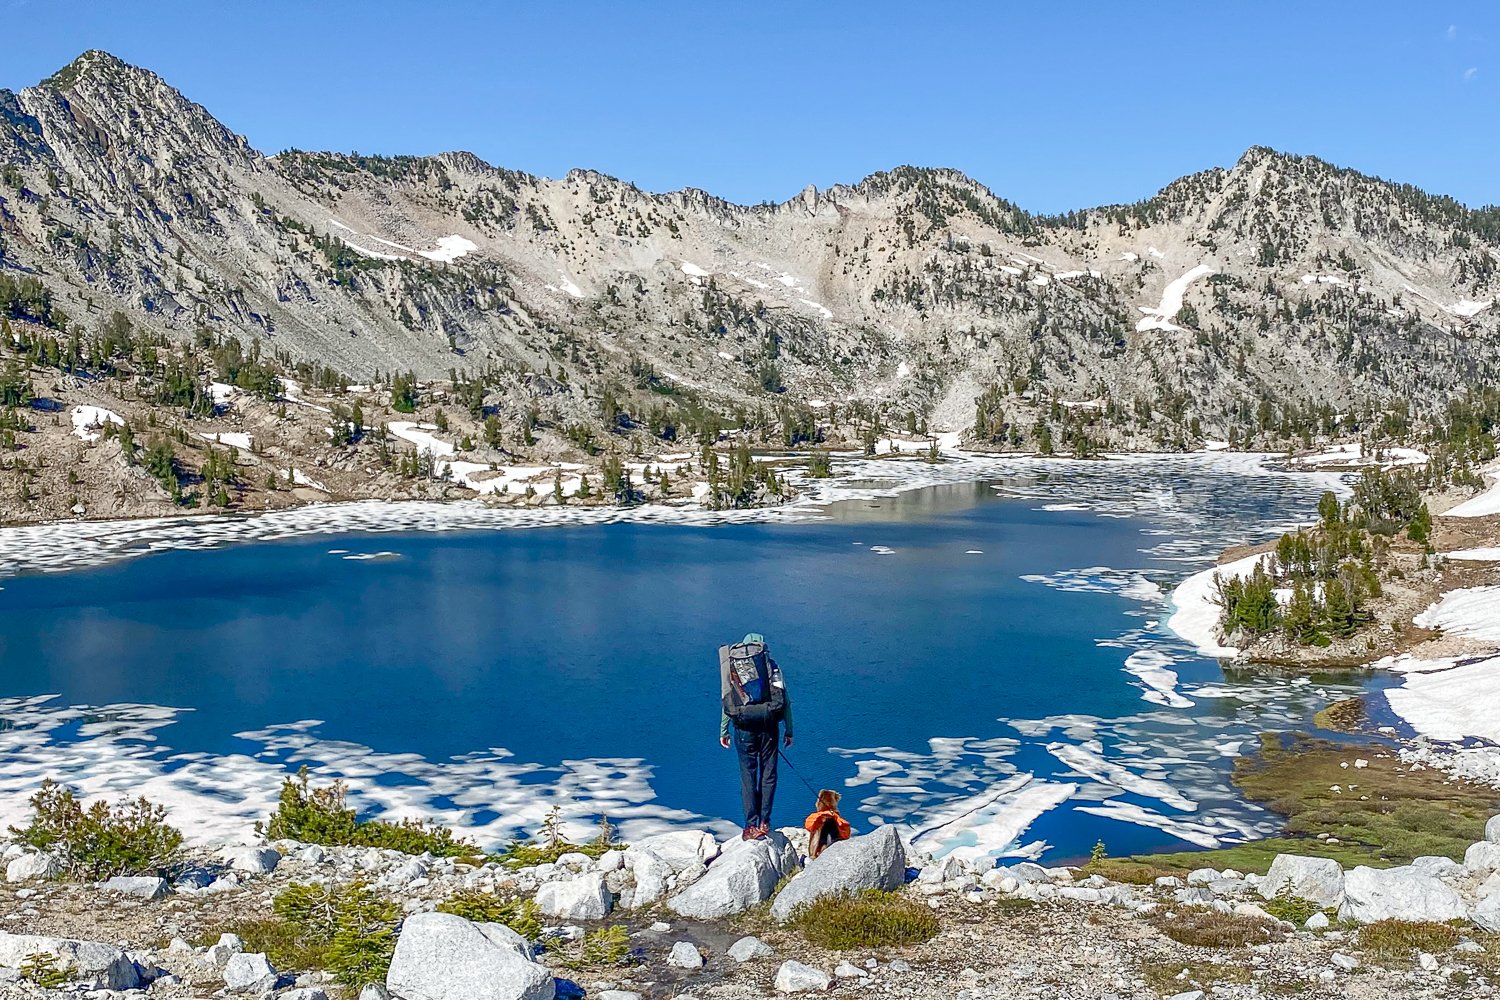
(753, 695)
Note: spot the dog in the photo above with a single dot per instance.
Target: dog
(825, 826)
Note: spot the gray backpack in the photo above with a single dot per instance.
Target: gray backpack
(747, 680)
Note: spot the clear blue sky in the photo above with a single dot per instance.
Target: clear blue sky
(1054, 106)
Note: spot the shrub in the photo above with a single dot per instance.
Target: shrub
(322, 816)
(520, 915)
(42, 969)
(1294, 909)
(101, 841)
(347, 930)
(1396, 940)
(871, 919)
(1205, 928)
(606, 945)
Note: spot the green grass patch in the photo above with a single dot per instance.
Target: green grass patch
(871, 919)
(1257, 855)
(1134, 871)
(1347, 716)
(1397, 941)
(1202, 927)
(1390, 812)
(1171, 978)
(1382, 815)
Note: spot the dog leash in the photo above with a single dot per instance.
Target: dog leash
(810, 788)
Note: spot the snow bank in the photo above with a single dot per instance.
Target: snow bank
(234, 439)
(1473, 612)
(1195, 617)
(1161, 318)
(1485, 504)
(1468, 307)
(1476, 555)
(693, 270)
(1452, 704)
(301, 478)
(1354, 456)
(88, 420)
(449, 248)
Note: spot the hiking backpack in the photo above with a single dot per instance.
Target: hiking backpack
(748, 682)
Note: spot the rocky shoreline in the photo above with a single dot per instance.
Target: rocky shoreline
(710, 920)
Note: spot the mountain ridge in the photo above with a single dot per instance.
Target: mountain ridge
(1281, 277)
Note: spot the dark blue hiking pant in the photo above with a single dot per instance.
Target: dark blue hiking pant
(757, 752)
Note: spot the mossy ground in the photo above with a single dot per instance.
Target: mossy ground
(1382, 814)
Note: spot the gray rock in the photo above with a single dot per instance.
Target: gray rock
(1317, 922)
(138, 886)
(1026, 871)
(685, 956)
(652, 874)
(1189, 995)
(581, 898)
(1439, 866)
(30, 866)
(101, 965)
(1486, 913)
(682, 849)
(305, 993)
(1482, 857)
(1319, 880)
(252, 860)
(794, 977)
(874, 861)
(899, 965)
(744, 875)
(249, 969)
(1404, 893)
(374, 991)
(441, 956)
(224, 949)
(1346, 962)
(1203, 876)
(1193, 896)
(312, 854)
(749, 948)
(617, 995)
(1492, 829)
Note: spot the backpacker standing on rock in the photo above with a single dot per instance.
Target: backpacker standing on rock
(755, 706)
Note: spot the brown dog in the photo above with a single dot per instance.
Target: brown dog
(825, 826)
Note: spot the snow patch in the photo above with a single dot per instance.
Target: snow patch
(88, 421)
(1161, 318)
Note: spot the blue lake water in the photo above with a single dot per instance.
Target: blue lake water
(956, 656)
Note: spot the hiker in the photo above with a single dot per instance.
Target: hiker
(755, 705)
